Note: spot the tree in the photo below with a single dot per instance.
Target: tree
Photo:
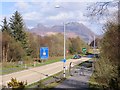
(107, 69)
(5, 26)
(12, 49)
(55, 44)
(5, 45)
(0, 46)
(76, 45)
(15, 51)
(34, 44)
(101, 10)
(17, 28)
(5, 39)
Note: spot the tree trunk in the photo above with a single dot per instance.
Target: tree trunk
(3, 53)
(7, 48)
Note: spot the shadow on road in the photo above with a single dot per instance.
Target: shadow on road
(79, 78)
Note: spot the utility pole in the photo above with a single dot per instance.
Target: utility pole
(64, 60)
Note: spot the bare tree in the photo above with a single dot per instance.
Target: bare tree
(100, 10)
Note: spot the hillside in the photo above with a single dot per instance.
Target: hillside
(73, 29)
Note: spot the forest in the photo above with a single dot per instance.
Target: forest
(19, 44)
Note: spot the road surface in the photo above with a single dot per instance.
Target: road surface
(79, 80)
(35, 74)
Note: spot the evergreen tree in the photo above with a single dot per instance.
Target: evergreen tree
(5, 26)
(17, 28)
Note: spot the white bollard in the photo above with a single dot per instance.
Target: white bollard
(34, 64)
(25, 66)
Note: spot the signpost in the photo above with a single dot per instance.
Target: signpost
(44, 53)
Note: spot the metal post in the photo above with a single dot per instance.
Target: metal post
(94, 45)
(57, 6)
(64, 51)
(64, 41)
(94, 54)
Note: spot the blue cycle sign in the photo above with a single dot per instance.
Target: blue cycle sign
(44, 53)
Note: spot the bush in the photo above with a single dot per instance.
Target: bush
(16, 84)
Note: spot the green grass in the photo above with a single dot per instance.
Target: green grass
(11, 68)
(14, 67)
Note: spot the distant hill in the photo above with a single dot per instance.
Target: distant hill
(73, 29)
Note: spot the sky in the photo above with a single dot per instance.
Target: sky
(46, 13)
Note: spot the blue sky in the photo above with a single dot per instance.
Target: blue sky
(45, 12)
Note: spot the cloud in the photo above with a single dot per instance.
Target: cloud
(59, 0)
(46, 13)
(32, 16)
(113, 9)
(22, 5)
(83, 0)
(103, 21)
(62, 16)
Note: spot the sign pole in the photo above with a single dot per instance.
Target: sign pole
(64, 52)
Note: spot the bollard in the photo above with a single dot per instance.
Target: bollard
(25, 66)
(34, 64)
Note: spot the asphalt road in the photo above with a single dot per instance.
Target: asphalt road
(35, 74)
(79, 80)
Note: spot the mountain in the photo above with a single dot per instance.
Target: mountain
(73, 29)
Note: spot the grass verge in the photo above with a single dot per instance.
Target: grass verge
(49, 82)
(93, 85)
(14, 67)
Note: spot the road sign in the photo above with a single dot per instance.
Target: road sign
(44, 53)
(84, 50)
(64, 60)
(67, 51)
